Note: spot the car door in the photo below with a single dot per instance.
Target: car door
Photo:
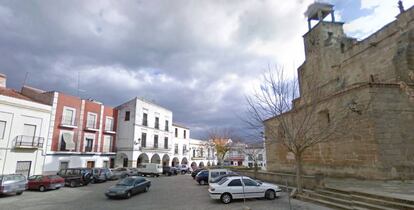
(235, 187)
(251, 188)
(138, 186)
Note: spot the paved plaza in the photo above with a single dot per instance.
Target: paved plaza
(176, 192)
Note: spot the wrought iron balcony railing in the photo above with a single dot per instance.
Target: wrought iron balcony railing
(23, 141)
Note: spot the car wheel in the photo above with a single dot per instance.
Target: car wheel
(146, 189)
(128, 195)
(42, 188)
(202, 182)
(270, 195)
(72, 184)
(19, 193)
(226, 198)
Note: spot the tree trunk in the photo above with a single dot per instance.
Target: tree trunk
(255, 169)
(298, 158)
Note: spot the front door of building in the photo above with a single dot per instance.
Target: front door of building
(23, 167)
(125, 163)
(90, 164)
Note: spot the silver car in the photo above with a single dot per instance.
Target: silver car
(13, 183)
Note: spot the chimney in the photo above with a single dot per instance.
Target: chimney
(3, 79)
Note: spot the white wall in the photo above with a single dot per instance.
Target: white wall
(17, 112)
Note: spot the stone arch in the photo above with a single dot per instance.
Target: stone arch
(175, 161)
(156, 159)
(193, 165)
(165, 160)
(208, 163)
(184, 161)
(121, 160)
(201, 164)
(142, 158)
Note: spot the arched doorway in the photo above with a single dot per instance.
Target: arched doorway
(208, 163)
(201, 164)
(165, 160)
(156, 159)
(175, 162)
(142, 158)
(214, 164)
(184, 161)
(121, 160)
(193, 165)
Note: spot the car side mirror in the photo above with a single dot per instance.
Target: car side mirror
(258, 184)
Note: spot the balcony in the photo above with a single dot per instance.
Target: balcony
(68, 122)
(236, 157)
(91, 126)
(28, 142)
(158, 148)
(198, 158)
(109, 131)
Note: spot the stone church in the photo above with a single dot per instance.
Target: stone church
(378, 142)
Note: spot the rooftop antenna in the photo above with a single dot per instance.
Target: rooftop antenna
(78, 89)
(401, 6)
(25, 78)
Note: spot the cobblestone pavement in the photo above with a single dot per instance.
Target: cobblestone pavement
(176, 192)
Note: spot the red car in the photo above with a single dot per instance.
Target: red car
(45, 182)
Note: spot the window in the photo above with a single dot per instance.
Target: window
(64, 165)
(194, 153)
(222, 181)
(235, 183)
(68, 117)
(145, 119)
(109, 124)
(2, 129)
(166, 125)
(29, 132)
(176, 132)
(201, 152)
(127, 113)
(250, 158)
(91, 123)
(105, 164)
(157, 123)
(185, 134)
(260, 157)
(89, 145)
(90, 164)
(143, 140)
(208, 152)
(66, 142)
(249, 182)
(184, 149)
(176, 149)
(107, 144)
(165, 142)
(155, 141)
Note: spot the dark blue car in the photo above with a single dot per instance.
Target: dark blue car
(202, 177)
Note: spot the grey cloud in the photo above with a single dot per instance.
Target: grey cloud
(114, 45)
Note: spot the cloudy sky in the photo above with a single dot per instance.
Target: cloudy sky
(197, 58)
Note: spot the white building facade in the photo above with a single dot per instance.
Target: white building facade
(24, 128)
(144, 134)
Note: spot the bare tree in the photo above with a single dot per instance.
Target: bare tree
(297, 124)
(221, 140)
(254, 152)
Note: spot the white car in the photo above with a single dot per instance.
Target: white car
(230, 188)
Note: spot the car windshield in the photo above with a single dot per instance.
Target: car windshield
(222, 181)
(126, 182)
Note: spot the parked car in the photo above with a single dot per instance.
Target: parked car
(238, 187)
(76, 176)
(168, 170)
(120, 173)
(195, 172)
(12, 183)
(202, 177)
(213, 173)
(152, 169)
(218, 178)
(128, 187)
(45, 182)
(183, 168)
(101, 175)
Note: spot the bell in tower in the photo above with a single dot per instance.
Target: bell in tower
(318, 11)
